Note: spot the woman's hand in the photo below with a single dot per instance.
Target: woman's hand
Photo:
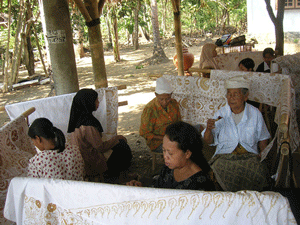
(122, 138)
(210, 124)
(134, 183)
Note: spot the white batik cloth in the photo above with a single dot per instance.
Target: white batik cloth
(48, 201)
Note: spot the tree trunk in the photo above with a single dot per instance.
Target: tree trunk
(28, 50)
(61, 49)
(18, 46)
(7, 57)
(136, 25)
(107, 19)
(278, 23)
(115, 34)
(158, 50)
(178, 38)
(42, 15)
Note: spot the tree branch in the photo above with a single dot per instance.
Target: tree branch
(270, 11)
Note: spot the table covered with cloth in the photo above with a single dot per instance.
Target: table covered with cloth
(48, 201)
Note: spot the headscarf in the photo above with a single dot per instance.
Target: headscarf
(82, 109)
(163, 86)
(206, 58)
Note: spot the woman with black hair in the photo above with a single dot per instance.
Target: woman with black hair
(53, 160)
(185, 166)
(86, 132)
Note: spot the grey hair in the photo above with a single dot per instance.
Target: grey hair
(245, 91)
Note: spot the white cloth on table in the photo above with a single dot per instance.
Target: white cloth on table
(67, 165)
(43, 201)
(248, 132)
(57, 110)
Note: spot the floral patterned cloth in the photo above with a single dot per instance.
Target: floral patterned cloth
(16, 149)
(155, 119)
(67, 165)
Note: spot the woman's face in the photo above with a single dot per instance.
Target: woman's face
(174, 157)
(96, 104)
(236, 99)
(164, 99)
(243, 68)
(38, 143)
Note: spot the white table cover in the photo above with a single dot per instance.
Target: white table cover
(48, 201)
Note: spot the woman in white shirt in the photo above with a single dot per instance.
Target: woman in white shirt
(240, 134)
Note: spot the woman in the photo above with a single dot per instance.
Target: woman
(185, 166)
(240, 134)
(158, 114)
(87, 134)
(207, 56)
(53, 160)
(246, 64)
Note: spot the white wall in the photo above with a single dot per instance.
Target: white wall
(259, 20)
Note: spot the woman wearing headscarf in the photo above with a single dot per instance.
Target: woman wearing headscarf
(87, 134)
(207, 56)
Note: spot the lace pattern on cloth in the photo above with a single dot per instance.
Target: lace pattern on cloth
(16, 149)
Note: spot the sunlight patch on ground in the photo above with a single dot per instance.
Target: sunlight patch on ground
(135, 101)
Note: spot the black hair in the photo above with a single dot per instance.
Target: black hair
(42, 127)
(188, 138)
(248, 63)
(268, 51)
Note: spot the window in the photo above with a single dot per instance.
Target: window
(290, 4)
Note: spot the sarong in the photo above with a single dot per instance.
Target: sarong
(240, 171)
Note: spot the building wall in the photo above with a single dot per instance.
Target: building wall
(259, 20)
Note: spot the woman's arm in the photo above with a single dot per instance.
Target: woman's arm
(208, 134)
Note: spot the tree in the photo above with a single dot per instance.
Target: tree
(61, 49)
(278, 23)
(136, 25)
(91, 11)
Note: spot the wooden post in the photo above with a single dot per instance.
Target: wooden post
(178, 38)
(60, 40)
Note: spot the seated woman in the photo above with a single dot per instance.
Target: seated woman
(265, 66)
(246, 64)
(207, 61)
(158, 114)
(240, 134)
(53, 160)
(86, 132)
(185, 166)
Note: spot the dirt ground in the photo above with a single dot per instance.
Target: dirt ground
(140, 90)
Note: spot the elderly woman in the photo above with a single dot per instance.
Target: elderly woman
(240, 134)
(158, 114)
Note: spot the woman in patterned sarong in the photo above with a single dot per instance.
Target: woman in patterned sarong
(240, 134)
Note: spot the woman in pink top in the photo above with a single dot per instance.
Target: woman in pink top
(53, 160)
(86, 132)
